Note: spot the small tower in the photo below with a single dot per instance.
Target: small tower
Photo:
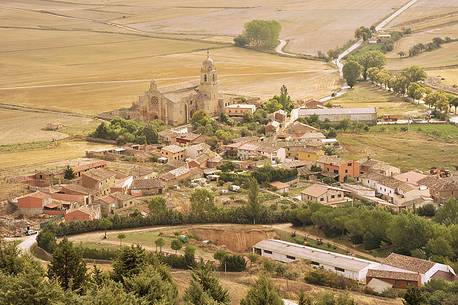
(209, 85)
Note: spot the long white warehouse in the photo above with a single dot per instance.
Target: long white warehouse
(347, 266)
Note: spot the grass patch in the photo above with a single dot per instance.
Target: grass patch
(27, 146)
(419, 147)
(366, 95)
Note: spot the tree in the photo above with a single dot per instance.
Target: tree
(441, 102)
(105, 224)
(430, 99)
(159, 244)
(448, 213)
(154, 284)
(176, 245)
(414, 73)
(439, 247)
(108, 294)
(67, 266)
(415, 91)
(259, 34)
(363, 32)
(157, 205)
(413, 296)
(202, 202)
(10, 260)
(205, 287)
(121, 236)
(408, 232)
(282, 101)
(29, 287)
(129, 261)
(254, 207)
(151, 134)
(453, 101)
(46, 240)
(263, 293)
(189, 256)
(69, 174)
(352, 72)
(369, 59)
(272, 105)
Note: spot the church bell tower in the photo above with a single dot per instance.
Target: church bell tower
(209, 85)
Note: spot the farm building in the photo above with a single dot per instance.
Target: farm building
(367, 115)
(427, 269)
(347, 266)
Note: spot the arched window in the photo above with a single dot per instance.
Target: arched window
(205, 77)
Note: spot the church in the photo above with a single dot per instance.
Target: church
(177, 106)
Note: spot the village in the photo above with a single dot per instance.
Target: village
(250, 162)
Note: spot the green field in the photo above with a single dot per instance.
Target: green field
(366, 95)
(420, 147)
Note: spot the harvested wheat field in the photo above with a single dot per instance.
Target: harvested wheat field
(75, 75)
(19, 126)
(428, 14)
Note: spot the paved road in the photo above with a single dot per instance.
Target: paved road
(27, 243)
(378, 28)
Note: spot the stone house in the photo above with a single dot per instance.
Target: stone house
(147, 187)
(99, 180)
(375, 166)
(173, 152)
(84, 213)
(32, 204)
(441, 189)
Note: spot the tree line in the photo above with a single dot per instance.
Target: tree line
(259, 34)
(129, 131)
(404, 233)
(419, 48)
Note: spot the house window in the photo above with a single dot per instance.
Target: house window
(333, 196)
(339, 269)
(321, 199)
(339, 195)
(346, 171)
(290, 257)
(267, 252)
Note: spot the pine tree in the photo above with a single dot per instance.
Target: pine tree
(253, 203)
(205, 287)
(67, 266)
(263, 293)
(69, 174)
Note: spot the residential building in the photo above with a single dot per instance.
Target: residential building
(173, 152)
(310, 153)
(335, 167)
(280, 116)
(427, 269)
(375, 166)
(366, 115)
(441, 189)
(99, 180)
(411, 177)
(189, 138)
(84, 213)
(347, 266)
(194, 151)
(313, 104)
(402, 194)
(147, 187)
(280, 187)
(324, 194)
(32, 204)
(239, 110)
(179, 174)
(272, 127)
